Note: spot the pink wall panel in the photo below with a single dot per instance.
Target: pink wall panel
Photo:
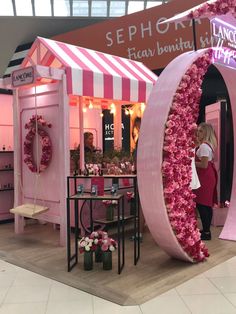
(6, 116)
(6, 122)
(228, 231)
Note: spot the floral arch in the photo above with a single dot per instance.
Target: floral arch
(165, 152)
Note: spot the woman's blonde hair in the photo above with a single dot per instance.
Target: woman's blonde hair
(210, 135)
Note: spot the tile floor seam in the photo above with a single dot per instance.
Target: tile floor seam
(3, 301)
(46, 307)
(93, 303)
(230, 301)
(183, 301)
(217, 287)
(140, 308)
(220, 290)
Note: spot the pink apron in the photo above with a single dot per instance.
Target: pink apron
(207, 193)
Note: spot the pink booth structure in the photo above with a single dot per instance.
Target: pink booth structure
(166, 143)
(53, 76)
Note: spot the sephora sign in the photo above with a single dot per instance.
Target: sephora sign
(224, 38)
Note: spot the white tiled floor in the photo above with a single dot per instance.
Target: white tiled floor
(24, 292)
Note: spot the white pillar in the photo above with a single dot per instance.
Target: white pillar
(65, 156)
(18, 189)
(81, 132)
(117, 127)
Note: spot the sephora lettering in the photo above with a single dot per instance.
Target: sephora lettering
(141, 31)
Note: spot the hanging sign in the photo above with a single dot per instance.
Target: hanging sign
(224, 36)
(22, 77)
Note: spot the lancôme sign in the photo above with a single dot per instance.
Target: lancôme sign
(22, 77)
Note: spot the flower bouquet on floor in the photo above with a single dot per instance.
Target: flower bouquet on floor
(98, 237)
(111, 205)
(87, 246)
(108, 245)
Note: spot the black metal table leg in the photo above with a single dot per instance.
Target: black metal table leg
(70, 257)
(91, 215)
(76, 230)
(136, 224)
(118, 236)
(68, 235)
(135, 221)
(123, 232)
(138, 213)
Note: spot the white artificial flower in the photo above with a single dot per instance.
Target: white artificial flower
(87, 248)
(111, 248)
(82, 243)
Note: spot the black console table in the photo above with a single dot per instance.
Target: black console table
(72, 259)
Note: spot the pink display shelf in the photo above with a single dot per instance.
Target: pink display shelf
(6, 184)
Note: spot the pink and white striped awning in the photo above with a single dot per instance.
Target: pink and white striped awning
(92, 73)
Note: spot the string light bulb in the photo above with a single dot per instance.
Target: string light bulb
(127, 112)
(101, 114)
(84, 109)
(90, 105)
(131, 112)
(113, 110)
(143, 106)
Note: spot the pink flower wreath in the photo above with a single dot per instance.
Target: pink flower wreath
(177, 153)
(45, 141)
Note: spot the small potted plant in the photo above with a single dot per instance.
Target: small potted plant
(108, 245)
(87, 246)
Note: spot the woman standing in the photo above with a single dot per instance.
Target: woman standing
(206, 195)
(88, 143)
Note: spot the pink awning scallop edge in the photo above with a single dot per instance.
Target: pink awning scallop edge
(92, 73)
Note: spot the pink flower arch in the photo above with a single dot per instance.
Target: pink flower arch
(167, 143)
(177, 153)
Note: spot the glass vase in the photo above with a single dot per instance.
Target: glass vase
(98, 254)
(110, 213)
(88, 260)
(107, 260)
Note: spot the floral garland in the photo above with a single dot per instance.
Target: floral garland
(178, 150)
(219, 7)
(45, 141)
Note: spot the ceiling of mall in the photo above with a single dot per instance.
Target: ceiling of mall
(22, 20)
(78, 8)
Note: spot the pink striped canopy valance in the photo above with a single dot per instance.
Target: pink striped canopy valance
(92, 73)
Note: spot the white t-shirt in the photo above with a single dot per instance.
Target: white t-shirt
(205, 150)
(195, 183)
